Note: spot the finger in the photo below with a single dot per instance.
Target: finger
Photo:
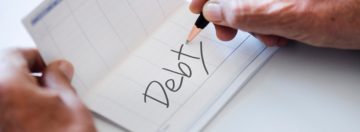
(57, 78)
(283, 42)
(33, 59)
(225, 33)
(58, 75)
(252, 16)
(39, 80)
(271, 40)
(28, 60)
(196, 6)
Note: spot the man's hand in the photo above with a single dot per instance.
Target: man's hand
(47, 104)
(323, 23)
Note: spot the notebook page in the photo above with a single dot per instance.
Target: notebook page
(94, 35)
(166, 85)
(125, 51)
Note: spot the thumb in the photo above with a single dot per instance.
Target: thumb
(260, 16)
(58, 77)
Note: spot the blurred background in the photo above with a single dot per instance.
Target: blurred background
(12, 32)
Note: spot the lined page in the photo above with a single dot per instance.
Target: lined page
(132, 65)
(142, 95)
(95, 35)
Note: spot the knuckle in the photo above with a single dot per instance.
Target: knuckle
(239, 14)
(237, 11)
(7, 86)
(53, 94)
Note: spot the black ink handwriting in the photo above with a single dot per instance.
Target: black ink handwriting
(184, 71)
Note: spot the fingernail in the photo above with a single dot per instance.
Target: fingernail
(67, 69)
(213, 12)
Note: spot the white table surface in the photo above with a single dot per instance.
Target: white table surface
(300, 89)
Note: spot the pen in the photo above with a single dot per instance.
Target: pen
(199, 25)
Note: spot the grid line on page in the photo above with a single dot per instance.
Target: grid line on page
(137, 16)
(112, 26)
(162, 124)
(61, 53)
(87, 38)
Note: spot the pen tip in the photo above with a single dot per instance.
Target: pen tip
(187, 42)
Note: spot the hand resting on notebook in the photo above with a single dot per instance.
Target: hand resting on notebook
(322, 23)
(44, 104)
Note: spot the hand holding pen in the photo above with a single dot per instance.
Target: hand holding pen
(227, 22)
(274, 22)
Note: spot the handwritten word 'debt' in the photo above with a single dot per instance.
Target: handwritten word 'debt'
(184, 71)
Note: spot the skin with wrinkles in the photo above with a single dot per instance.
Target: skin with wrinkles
(47, 104)
(321, 23)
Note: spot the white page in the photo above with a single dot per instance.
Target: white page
(120, 48)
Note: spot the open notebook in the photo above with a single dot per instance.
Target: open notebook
(133, 67)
